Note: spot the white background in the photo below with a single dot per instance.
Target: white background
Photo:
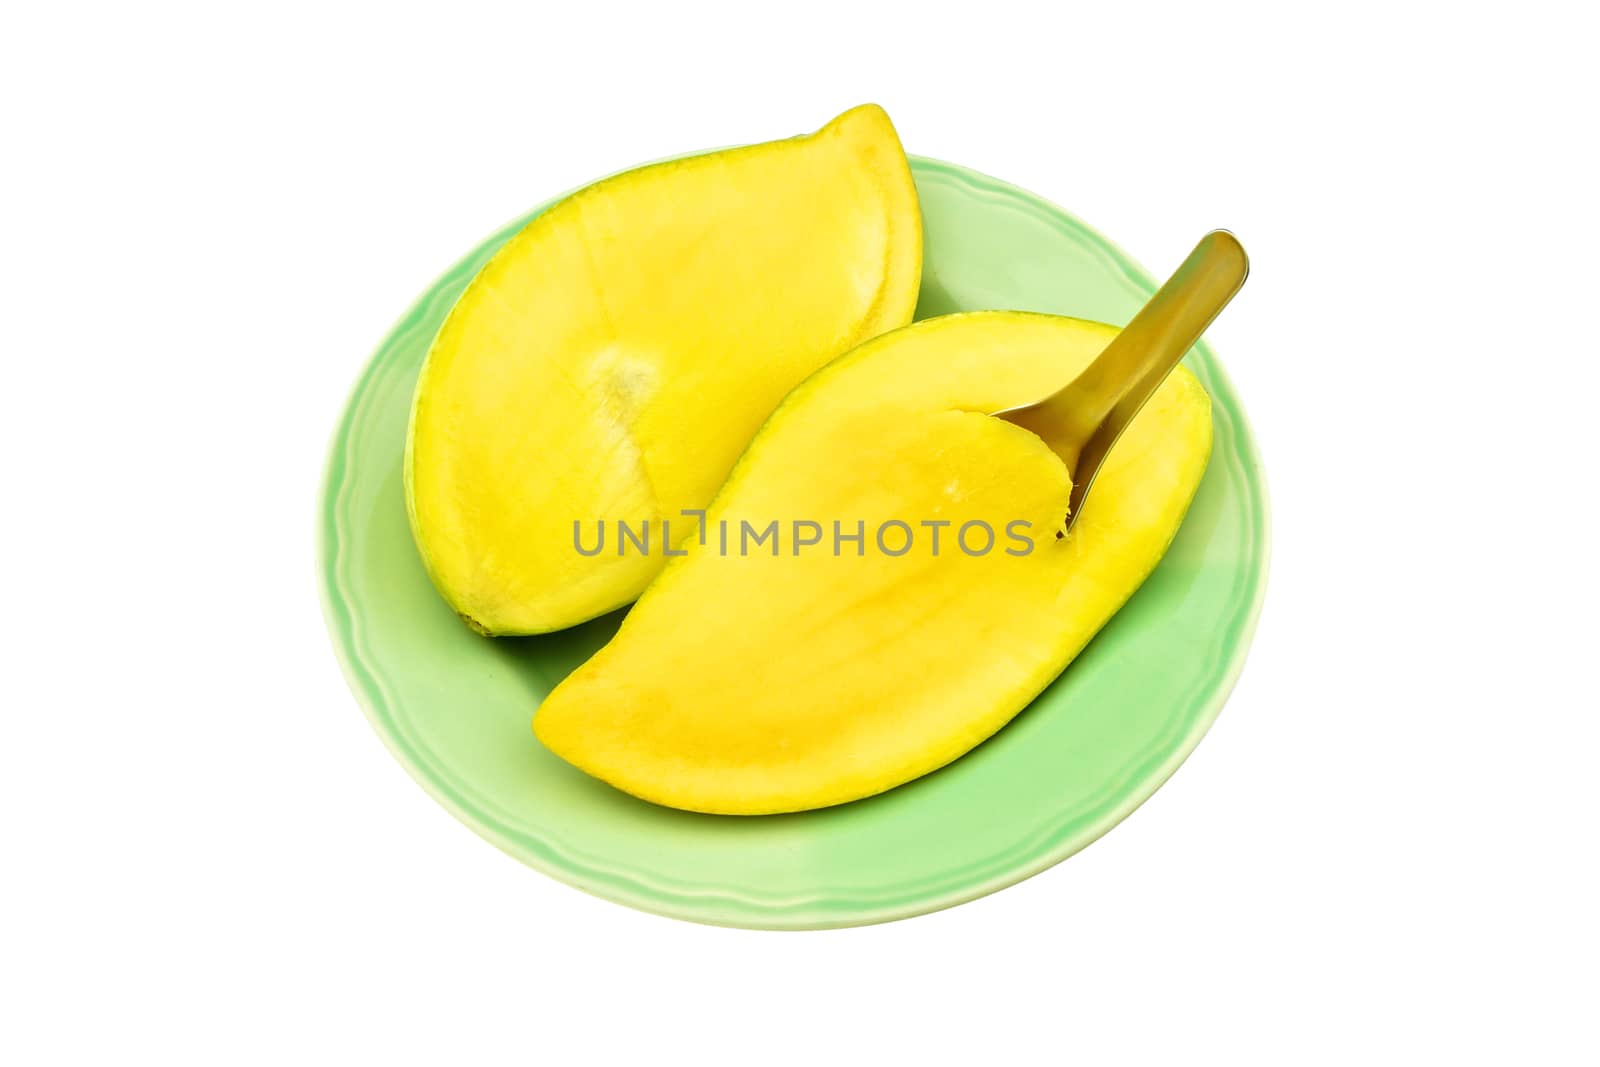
(1384, 852)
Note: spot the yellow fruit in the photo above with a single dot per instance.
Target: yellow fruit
(753, 683)
(614, 358)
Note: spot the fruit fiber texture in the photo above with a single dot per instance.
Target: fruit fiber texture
(614, 358)
(756, 683)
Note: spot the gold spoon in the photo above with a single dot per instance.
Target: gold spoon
(1082, 420)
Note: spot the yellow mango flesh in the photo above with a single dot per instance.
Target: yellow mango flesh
(752, 683)
(615, 357)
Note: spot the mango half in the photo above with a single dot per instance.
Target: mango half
(613, 359)
(781, 676)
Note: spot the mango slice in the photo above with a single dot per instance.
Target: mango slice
(614, 358)
(777, 676)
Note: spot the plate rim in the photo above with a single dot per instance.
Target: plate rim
(726, 906)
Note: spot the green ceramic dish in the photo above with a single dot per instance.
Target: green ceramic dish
(455, 707)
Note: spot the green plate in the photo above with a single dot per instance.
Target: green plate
(455, 708)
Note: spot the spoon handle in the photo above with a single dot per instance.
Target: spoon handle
(1111, 390)
(1083, 420)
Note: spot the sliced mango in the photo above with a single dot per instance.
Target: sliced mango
(615, 356)
(777, 676)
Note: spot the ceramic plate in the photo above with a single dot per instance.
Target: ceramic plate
(455, 708)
